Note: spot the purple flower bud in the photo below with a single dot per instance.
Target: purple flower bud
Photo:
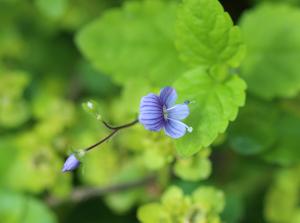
(71, 163)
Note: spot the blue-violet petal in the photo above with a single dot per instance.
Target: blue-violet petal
(179, 112)
(175, 129)
(168, 96)
(151, 113)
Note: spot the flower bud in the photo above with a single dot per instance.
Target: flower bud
(71, 163)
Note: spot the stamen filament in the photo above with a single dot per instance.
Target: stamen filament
(169, 109)
(189, 128)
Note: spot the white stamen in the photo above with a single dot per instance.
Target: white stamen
(169, 109)
(188, 128)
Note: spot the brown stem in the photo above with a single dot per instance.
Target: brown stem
(83, 193)
(121, 126)
(115, 130)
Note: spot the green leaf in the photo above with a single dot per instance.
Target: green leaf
(271, 130)
(206, 34)
(134, 41)
(13, 109)
(293, 2)
(53, 9)
(39, 165)
(16, 207)
(254, 131)
(234, 209)
(204, 205)
(151, 213)
(174, 207)
(194, 168)
(271, 67)
(211, 199)
(211, 203)
(286, 149)
(8, 154)
(174, 200)
(13, 113)
(214, 104)
(282, 199)
(154, 159)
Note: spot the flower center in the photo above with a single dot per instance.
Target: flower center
(165, 112)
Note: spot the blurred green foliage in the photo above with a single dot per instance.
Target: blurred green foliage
(274, 48)
(203, 205)
(105, 55)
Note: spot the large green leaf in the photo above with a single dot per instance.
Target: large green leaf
(271, 130)
(271, 67)
(214, 104)
(134, 41)
(206, 34)
(254, 131)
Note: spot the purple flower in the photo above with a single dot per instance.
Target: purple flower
(160, 112)
(71, 163)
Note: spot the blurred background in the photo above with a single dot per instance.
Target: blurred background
(47, 72)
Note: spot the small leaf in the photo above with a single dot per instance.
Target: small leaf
(211, 199)
(204, 205)
(151, 213)
(193, 168)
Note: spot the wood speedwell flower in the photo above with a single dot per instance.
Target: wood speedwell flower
(160, 112)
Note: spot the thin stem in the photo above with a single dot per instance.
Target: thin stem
(107, 125)
(101, 141)
(115, 130)
(121, 126)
